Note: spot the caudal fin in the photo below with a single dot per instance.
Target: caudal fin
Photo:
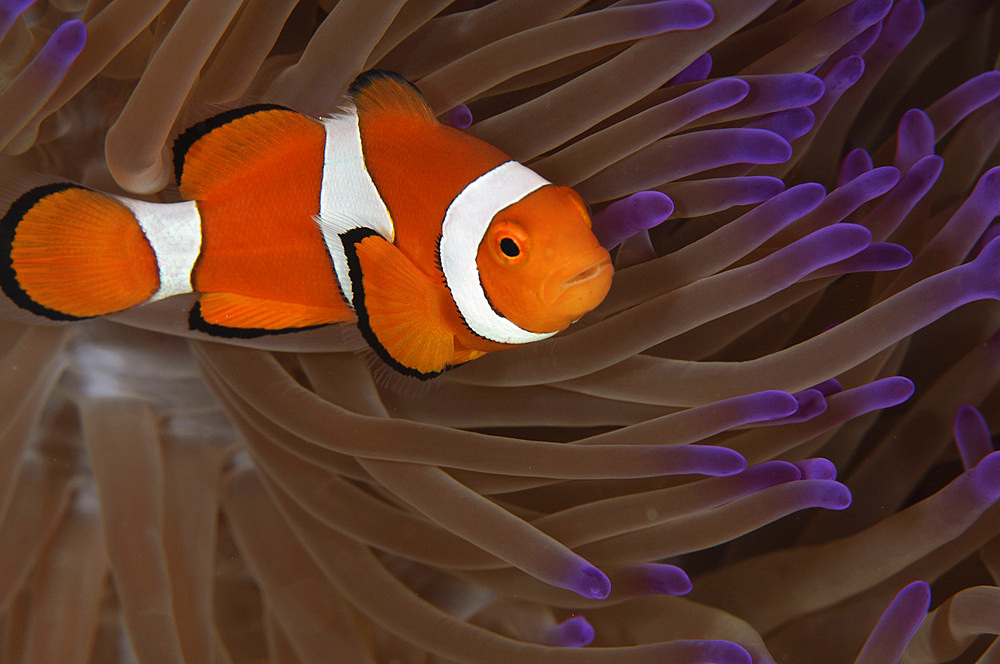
(67, 252)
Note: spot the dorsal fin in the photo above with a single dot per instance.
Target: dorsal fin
(380, 91)
(216, 150)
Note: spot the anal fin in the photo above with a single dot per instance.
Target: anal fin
(233, 315)
(400, 310)
(466, 355)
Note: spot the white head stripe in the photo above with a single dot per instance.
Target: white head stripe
(174, 232)
(348, 197)
(465, 224)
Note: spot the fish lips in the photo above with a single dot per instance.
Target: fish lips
(580, 285)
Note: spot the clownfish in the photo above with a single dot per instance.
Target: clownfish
(439, 246)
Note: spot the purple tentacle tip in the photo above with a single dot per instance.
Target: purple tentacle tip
(760, 188)
(835, 243)
(623, 219)
(829, 387)
(844, 74)
(785, 91)
(63, 47)
(722, 652)
(685, 14)
(888, 392)
(770, 473)
(877, 257)
(816, 469)
(791, 124)
(950, 109)
(801, 199)
(772, 404)
(986, 477)
(591, 583)
(902, 388)
(812, 402)
(71, 36)
(988, 263)
(872, 184)
(857, 162)
(990, 234)
(14, 7)
(866, 12)
(972, 436)
(698, 70)
(914, 139)
(459, 117)
(9, 11)
(883, 256)
(897, 625)
(807, 405)
(760, 146)
(573, 632)
(859, 44)
(701, 460)
(985, 198)
(902, 23)
(663, 579)
(832, 495)
(720, 461)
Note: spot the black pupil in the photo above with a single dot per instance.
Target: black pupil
(509, 247)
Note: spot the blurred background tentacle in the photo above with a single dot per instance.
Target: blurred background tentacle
(773, 442)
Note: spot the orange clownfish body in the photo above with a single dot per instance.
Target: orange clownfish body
(439, 245)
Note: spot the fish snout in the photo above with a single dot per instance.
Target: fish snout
(580, 286)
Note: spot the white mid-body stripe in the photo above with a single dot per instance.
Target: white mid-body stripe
(348, 198)
(465, 224)
(174, 232)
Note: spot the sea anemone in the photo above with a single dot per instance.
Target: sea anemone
(800, 200)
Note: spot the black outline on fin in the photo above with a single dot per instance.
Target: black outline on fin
(350, 239)
(367, 78)
(8, 228)
(198, 323)
(195, 132)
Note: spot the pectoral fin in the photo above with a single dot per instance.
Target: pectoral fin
(399, 308)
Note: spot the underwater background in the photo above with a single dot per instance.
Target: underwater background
(802, 196)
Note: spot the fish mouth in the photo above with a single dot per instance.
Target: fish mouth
(587, 273)
(581, 286)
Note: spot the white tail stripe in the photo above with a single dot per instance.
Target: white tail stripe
(348, 198)
(174, 232)
(465, 224)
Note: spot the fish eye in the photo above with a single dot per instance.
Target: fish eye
(509, 242)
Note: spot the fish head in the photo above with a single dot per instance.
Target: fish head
(540, 265)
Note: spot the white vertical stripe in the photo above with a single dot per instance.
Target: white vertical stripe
(174, 232)
(349, 198)
(465, 224)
